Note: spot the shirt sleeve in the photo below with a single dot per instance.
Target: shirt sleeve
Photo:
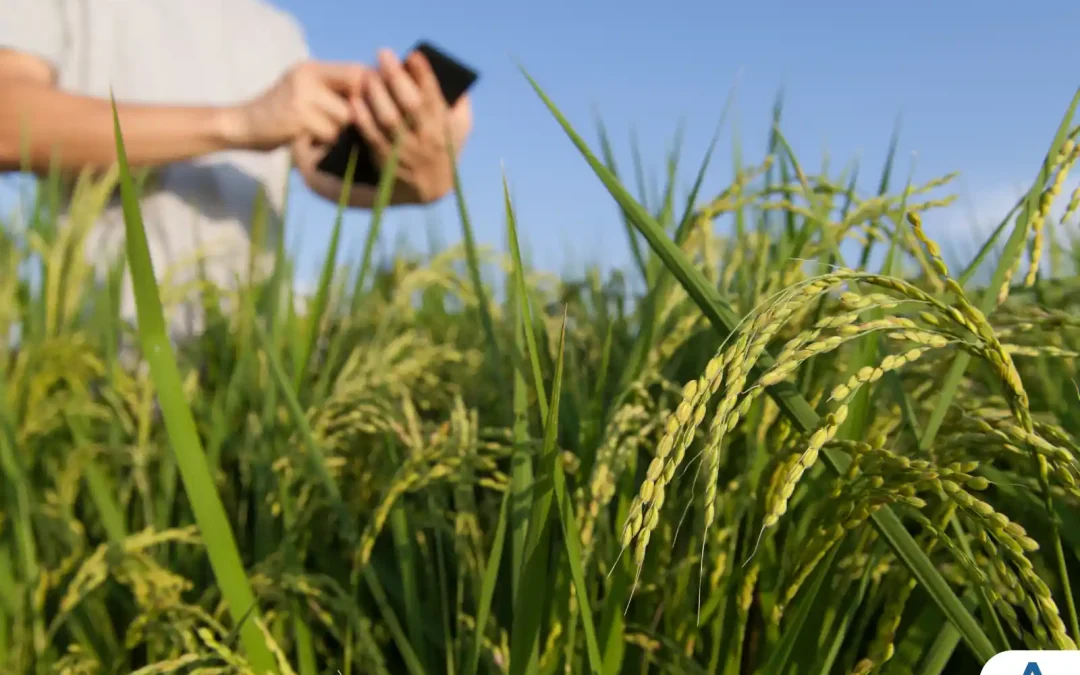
(295, 47)
(290, 44)
(33, 27)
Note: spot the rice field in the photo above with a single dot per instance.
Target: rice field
(811, 446)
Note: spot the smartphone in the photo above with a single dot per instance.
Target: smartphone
(454, 77)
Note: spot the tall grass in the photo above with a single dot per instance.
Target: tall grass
(771, 461)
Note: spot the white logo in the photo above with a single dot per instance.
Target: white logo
(1033, 663)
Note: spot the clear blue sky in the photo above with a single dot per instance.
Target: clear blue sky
(981, 87)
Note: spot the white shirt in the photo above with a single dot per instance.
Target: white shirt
(182, 52)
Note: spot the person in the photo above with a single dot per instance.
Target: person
(218, 99)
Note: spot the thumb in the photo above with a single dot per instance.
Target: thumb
(306, 152)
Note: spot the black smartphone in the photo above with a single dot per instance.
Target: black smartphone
(454, 77)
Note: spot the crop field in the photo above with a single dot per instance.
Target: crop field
(811, 445)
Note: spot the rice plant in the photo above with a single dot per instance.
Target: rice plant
(811, 445)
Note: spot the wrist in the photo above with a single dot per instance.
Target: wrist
(230, 128)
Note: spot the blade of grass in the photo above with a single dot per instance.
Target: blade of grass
(521, 463)
(382, 200)
(883, 187)
(658, 292)
(523, 304)
(839, 632)
(667, 207)
(326, 277)
(525, 632)
(305, 651)
(687, 220)
(941, 651)
(639, 168)
(198, 483)
(650, 308)
(781, 658)
(401, 641)
(473, 262)
(572, 541)
(406, 559)
(631, 234)
(491, 577)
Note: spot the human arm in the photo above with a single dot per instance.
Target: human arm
(43, 126)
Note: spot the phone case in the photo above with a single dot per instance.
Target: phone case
(454, 77)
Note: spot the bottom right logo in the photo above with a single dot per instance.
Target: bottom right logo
(1033, 663)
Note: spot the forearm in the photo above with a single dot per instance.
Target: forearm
(42, 127)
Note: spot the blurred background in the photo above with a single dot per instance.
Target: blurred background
(976, 87)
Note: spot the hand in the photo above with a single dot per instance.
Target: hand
(309, 101)
(406, 100)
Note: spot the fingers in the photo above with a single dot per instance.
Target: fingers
(418, 67)
(313, 98)
(346, 78)
(370, 129)
(305, 152)
(399, 83)
(382, 106)
(330, 113)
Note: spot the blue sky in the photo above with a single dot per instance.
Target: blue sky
(981, 88)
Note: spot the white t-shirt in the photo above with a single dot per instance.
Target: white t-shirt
(183, 52)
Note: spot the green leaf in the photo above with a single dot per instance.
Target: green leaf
(491, 578)
(781, 656)
(199, 485)
(525, 633)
